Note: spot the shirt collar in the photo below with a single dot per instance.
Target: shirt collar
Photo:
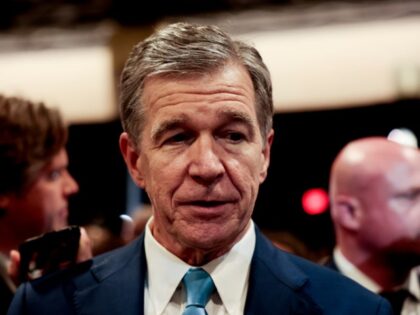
(412, 284)
(229, 272)
(352, 272)
(165, 271)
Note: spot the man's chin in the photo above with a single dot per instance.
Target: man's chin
(208, 240)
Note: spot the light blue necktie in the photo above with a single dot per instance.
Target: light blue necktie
(199, 287)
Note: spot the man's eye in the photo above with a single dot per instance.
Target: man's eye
(177, 138)
(235, 137)
(53, 175)
(411, 195)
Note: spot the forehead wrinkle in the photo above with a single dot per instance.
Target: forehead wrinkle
(192, 94)
(229, 89)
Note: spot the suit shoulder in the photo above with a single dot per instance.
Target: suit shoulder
(59, 288)
(329, 286)
(322, 289)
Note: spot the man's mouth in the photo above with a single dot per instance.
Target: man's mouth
(207, 204)
(207, 209)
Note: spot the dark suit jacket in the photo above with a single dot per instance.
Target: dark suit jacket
(279, 283)
(330, 263)
(6, 295)
(7, 288)
(394, 300)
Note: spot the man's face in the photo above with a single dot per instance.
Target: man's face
(393, 219)
(44, 206)
(201, 158)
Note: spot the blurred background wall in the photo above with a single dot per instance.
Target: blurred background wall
(341, 70)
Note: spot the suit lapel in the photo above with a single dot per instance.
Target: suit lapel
(275, 284)
(112, 280)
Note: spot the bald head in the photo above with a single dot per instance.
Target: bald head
(367, 161)
(375, 198)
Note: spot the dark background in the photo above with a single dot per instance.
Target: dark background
(64, 13)
(20, 13)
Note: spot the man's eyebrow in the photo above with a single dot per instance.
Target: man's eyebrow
(165, 126)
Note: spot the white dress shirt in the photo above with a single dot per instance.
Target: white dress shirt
(411, 306)
(164, 295)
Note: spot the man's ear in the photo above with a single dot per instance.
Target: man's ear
(266, 155)
(131, 157)
(346, 211)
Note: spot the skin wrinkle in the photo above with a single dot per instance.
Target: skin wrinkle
(217, 90)
(215, 95)
(192, 96)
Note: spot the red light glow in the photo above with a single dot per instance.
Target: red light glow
(315, 201)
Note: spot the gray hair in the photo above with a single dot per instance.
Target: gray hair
(181, 49)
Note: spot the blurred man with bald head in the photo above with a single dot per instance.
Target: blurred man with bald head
(375, 207)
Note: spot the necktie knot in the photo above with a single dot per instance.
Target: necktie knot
(199, 286)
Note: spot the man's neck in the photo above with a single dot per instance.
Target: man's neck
(386, 271)
(194, 256)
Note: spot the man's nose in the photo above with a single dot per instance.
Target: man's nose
(206, 165)
(70, 185)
